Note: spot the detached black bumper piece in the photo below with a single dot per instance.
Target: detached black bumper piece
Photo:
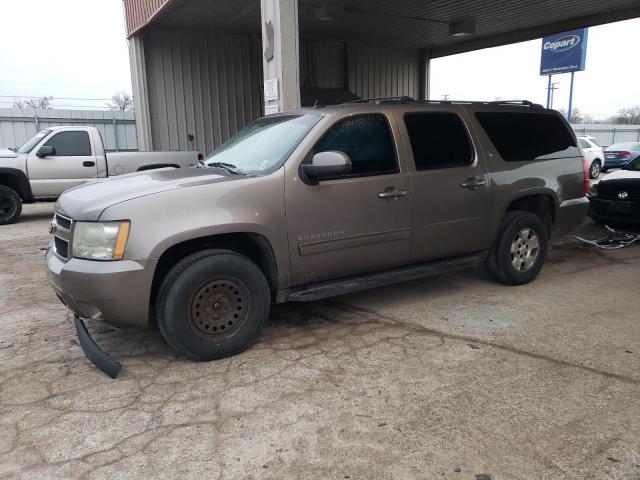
(93, 352)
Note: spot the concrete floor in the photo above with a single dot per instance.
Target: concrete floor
(449, 377)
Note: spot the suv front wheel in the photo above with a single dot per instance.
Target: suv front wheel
(213, 304)
(519, 252)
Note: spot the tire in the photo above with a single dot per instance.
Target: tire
(603, 170)
(595, 169)
(527, 234)
(213, 304)
(10, 205)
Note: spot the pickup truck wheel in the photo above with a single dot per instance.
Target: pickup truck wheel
(10, 205)
(213, 304)
(520, 249)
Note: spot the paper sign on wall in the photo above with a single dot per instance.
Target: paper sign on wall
(271, 89)
(271, 109)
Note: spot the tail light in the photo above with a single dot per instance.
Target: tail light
(624, 154)
(585, 171)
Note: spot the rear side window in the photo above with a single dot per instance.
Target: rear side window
(70, 144)
(438, 140)
(528, 136)
(584, 143)
(368, 142)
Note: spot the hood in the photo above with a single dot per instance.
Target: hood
(6, 153)
(621, 175)
(88, 201)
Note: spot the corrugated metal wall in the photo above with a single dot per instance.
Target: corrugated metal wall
(370, 70)
(322, 64)
(19, 125)
(206, 85)
(139, 12)
(608, 134)
(201, 83)
(380, 71)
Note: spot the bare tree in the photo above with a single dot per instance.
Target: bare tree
(41, 103)
(628, 116)
(121, 101)
(576, 116)
(588, 119)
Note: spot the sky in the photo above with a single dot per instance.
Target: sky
(611, 80)
(76, 49)
(63, 48)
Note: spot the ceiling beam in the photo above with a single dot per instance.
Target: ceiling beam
(533, 33)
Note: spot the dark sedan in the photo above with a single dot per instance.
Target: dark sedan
(616, 198)
(619, 154)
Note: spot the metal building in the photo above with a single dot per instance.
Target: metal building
(199, 66)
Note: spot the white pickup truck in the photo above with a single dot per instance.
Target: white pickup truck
(59, 158)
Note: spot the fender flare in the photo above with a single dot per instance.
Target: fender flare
(19, 182)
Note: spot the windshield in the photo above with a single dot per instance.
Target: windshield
(262, 146)
(33, 141)
(633, 165)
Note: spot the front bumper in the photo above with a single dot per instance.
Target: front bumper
(606, 210)
(570, 214)
(93, 352)
(115, 292)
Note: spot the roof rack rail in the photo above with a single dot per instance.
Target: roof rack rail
(399, 99)
(406, 99)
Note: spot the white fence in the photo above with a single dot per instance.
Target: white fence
(118, 129)
(609, 134)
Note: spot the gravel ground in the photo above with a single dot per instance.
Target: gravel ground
(449, 377)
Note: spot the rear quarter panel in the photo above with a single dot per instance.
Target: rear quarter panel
(561, 179)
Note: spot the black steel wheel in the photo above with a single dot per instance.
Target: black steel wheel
(219, 307)
(10, 205)
(213, 304)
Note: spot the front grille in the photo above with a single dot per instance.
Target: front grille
(63, 222)
(609, 189)
(61, 247)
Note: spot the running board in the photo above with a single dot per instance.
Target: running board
(341, 286)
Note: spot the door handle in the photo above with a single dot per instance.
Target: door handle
(473, 182)
(392, 192)
(89, 164)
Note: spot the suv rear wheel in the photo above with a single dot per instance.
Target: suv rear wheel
(519, 252)
(213, 304)
(10, 205)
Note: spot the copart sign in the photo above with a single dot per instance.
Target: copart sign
(564, 52)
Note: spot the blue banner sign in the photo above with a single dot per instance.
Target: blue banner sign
(564, 52)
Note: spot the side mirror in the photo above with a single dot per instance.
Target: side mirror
(325, 165)
(45, 151)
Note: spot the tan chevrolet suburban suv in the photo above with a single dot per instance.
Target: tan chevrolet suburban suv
(313, 203)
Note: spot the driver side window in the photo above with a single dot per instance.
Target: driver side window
(367, 140)
(70, 144)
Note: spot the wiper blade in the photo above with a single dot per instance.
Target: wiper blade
(229, 167)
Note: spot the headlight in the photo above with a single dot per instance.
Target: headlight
(100, 240)
(593, 190)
